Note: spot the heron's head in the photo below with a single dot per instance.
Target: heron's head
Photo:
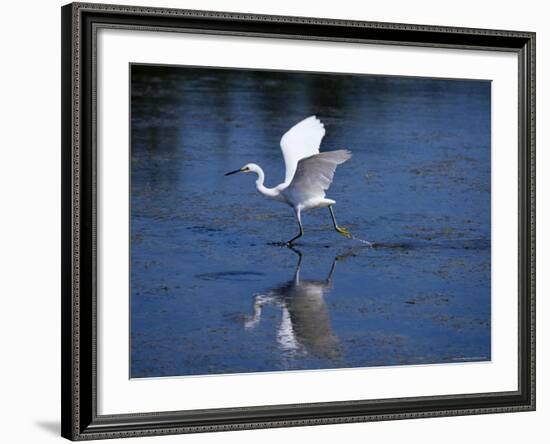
(248, 168)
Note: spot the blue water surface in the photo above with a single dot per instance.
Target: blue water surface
(210, 295)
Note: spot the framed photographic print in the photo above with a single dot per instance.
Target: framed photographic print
(279, 221)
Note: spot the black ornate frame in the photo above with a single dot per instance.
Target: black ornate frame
(80, 22)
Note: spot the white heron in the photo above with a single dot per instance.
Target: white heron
(309, 173)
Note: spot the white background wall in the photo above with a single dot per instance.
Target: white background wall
(30, 219)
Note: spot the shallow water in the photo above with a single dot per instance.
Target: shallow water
(209, 294)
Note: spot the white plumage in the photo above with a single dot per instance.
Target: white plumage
(313, 177)
(301, 141)
(308, 173)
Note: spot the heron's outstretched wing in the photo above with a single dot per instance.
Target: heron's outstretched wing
(300, 141)
(314, 174)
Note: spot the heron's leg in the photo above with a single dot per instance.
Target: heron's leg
(298, 265)
(340, 230)
(328, 280)
(301, 233)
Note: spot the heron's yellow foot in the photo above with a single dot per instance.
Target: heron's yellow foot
(343, 232)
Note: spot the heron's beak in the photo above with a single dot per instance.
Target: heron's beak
(233, 172)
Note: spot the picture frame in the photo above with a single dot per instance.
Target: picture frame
(80, 212)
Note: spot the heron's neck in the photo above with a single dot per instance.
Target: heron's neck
(269, 192)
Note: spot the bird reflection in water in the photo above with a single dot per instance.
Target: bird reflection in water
(305, 325)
